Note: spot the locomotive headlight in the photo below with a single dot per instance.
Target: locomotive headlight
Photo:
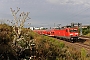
(71, 38)
(71, 34)
(76, 33)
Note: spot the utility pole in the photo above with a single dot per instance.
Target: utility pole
(59, 25)
(54, 25)
(80, 26)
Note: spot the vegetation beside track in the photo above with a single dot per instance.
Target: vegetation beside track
(86, 31)
(47, 48)
(88, 35)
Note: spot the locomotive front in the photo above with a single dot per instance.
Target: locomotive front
(74, 34)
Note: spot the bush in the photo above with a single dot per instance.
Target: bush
(85, 31)
(83, 54)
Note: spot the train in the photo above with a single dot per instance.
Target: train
(67, 33)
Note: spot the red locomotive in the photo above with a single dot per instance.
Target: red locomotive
(64, 33)
(67, 33)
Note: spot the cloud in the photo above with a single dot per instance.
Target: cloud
(73, 2)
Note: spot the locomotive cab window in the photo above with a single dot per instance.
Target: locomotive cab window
(73, 30)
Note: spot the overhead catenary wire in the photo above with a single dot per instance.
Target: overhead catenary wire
(81, 11)
(76, 14)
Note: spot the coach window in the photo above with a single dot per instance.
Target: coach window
(52, 32)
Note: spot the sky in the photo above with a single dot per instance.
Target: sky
(48, 13)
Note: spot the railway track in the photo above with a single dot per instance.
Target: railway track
(87, 47)
(84, 37)
(78, 45)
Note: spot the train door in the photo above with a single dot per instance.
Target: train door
(66, 33)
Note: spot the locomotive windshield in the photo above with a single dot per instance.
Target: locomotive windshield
(73, 30)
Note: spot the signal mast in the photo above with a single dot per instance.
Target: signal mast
(79, 26)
